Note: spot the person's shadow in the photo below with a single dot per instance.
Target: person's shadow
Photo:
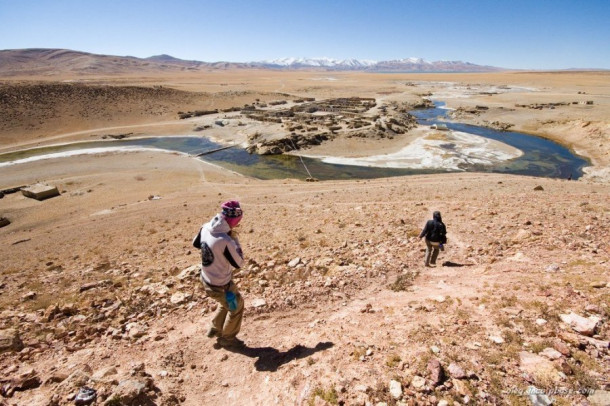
(270, 359)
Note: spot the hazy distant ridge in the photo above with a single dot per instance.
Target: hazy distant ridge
(37, 61)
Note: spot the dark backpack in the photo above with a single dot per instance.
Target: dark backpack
(438, 233)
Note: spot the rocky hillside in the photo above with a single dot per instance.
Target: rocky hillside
(339, 307)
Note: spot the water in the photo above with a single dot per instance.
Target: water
(541, 157)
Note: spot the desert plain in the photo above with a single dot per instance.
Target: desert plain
(99, 287)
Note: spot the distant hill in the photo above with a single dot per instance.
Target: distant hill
(40, 61)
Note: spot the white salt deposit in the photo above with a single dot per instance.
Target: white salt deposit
(423, 153)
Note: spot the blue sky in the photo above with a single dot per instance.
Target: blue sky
(536, 34)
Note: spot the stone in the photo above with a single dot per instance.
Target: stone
(179, 298)
(582, 325)
(293, 263)
(599, 398)
(127, 392)
(26, 381)
(395, 389)
(28, 296)
(550, 353)
(539, 367)
(418, 382)
(538, 188)
(537, 397)
(497, 339)
(461, 387)
(455, 371)
(258, 302)
(10, 341)
(541, 322)
(51, 312)
(40, 191)
(522, 235)
(135, 330)
(435, 371)
(103, 373)
(552, 268)
(190, 272)
(562, 348)
(598, 284)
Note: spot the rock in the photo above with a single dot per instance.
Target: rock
(155, 288)
(435, 349)
(582, 325)
(522, 235)
(258, 303)
(598, 284)
(562, 348)
(26, 381)
(591, 308)
(541, 322)
(395, 389)
(461, 387)
(97, 284)
(190, 272)
(599, 398)
(361, 388)
(497, 339)
(538, 397)
(28, 296)
(539, 367)
(104, 373)
(418, 382)
(135, 330)
(435, 371)
(552, 268)
(127, 392)
(538, 188)
(580, 340)
(294, 262)
(455, 371)
(179, 298)
(51, 312)
(10, 341)
(550, 353)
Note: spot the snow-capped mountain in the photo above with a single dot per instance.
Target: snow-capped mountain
(317, 62)
(399, 65)
(42, 61)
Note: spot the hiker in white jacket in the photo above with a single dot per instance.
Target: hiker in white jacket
(220, 254)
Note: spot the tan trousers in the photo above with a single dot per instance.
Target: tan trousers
(227, 328)
(431, 252)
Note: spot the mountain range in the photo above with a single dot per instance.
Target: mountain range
(32, 61)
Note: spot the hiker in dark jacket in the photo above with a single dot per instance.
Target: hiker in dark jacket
(436, 235)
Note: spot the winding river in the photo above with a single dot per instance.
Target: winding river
(540, 157)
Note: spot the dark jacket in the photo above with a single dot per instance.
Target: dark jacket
(435, 230)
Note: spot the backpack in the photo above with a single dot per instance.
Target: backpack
(438, 232)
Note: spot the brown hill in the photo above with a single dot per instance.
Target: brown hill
(38, 61)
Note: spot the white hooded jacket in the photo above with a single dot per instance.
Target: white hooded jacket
(219, 252)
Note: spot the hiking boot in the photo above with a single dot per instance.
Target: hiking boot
(230, 342)
(212, 332)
